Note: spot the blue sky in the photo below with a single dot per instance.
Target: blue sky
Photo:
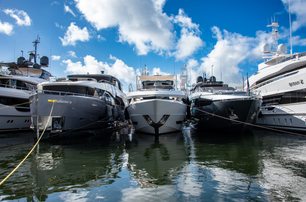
(122, 36)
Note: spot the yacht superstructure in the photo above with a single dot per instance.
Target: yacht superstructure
(280, 81)
(17, 82)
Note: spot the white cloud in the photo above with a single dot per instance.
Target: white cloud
(100, 38)
(21, 17)
(118, 68)
(72, 54)
(67, 9)
(193, 71)
(189, 41)
(298, 8)
(187, 45)
(59, 25)
(157, 71)
(229, 52)
(184, 21)
(74, 34)
(6, 28)
(140, 23)
(55, 57)
(298, 41)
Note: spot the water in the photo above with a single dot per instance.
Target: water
(257, 166)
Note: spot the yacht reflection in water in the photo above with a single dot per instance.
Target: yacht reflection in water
(219, 167)
(66, 170)
(57, 169)
(156, 161)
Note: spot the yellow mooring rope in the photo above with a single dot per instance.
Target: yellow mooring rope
(30, 152)
(5, 106)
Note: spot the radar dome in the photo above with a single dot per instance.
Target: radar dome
(266, 48)
(212, 79)
(44, 61)
(199, 79)
(20, 60)
(281, 49)
(36, 66)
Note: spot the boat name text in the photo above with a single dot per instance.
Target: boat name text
(295, 83)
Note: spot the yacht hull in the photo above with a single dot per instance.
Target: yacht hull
(287, 116)
(11, 119)
(57, 113)
(225, 114)
(14, 116)
(157, 116)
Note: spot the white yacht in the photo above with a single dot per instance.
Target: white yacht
(83, 101)
(17, 82)
(14, 101)
(156, 107)
(280, 82)
(217, 106)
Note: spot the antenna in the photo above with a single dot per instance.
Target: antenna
(274, 25)
(36, 42)
(242, 81)
(248, 85)
(290, 27)
(212, 70)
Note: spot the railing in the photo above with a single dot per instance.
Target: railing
(15, 87)
(62, 93)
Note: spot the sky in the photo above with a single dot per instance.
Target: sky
(120, 37)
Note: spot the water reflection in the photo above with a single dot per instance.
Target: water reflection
(155, 162)
(57, 168)
(227, 166)
(284, 166)
(257, 166)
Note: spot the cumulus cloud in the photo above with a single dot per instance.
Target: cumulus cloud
(67, 9)
(72, 54)
(158, 71)
(298, 41)
(90, 64)
(230, 50)
(187, 45)
(189, 41)
(21, 17)
(297, 8)
(55, 57)
(6, 28)
(140, 23)
(228, 55)
(74, 34)
(193, 71)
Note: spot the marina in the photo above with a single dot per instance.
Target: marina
(153, 101)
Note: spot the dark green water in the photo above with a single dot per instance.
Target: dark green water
(260, 166)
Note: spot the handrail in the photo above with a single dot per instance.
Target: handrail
(65, 93)
(15, 87)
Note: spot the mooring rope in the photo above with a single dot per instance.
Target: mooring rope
(5, 106)
(30, 152)
(251, 124)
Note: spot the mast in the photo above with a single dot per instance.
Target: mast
(274, 25)
(290, 26)
(36, 42)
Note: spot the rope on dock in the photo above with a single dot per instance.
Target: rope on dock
(253, 125)
(30, 152)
